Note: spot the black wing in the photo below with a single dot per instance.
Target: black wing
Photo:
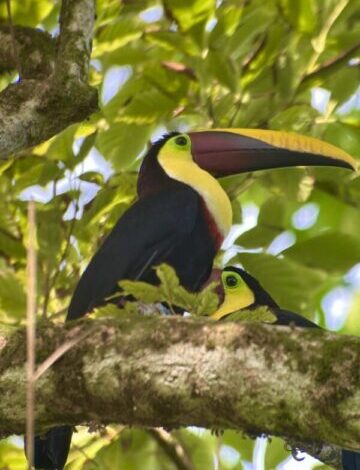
(285, 317)
(146, 235)
(350, 460)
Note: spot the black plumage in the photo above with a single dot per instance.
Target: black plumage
(167, 226)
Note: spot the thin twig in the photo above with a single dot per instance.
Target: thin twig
(172, 448)
(11, 24)
(30, 332)
(60, 351)
(332, 63)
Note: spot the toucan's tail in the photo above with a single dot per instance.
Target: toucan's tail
(51, 449)
(350, 460)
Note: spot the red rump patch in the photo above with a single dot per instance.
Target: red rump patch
(213, 228)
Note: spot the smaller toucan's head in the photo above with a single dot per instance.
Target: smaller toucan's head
(222, 152)
(239, 290)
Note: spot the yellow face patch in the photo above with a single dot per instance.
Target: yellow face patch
(237, 295)
(176, 160)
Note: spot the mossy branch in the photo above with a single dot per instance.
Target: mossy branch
(35, 51)
(53, 91)
(300, 384)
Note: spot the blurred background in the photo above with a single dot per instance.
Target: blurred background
(177, 65)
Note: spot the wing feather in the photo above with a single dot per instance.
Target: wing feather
(144, 236)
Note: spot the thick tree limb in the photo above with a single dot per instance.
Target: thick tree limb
(173, 372)
(53, 95)
(35, 50)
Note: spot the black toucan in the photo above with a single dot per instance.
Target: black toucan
(181, 217)
(239, 290)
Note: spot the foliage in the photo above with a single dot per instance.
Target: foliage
(172, 293)
(175, 65)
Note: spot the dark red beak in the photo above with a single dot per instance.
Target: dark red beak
(224, 152)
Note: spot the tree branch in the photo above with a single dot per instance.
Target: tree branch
(171, 372)
(75, 41)
(35, 49)
(53, 95)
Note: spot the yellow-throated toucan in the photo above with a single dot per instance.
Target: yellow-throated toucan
(239, 290)
(181, 218)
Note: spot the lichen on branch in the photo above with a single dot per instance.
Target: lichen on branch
(54, 92)
(35, 50)
(171, 372)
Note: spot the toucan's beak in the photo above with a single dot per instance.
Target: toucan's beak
(230, 151)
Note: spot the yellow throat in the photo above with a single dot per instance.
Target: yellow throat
(179, 165)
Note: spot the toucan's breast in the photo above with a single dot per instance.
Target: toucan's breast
(217, 206)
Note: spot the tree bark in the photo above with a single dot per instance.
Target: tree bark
(52, 91)
(303, 385)
(34, 49)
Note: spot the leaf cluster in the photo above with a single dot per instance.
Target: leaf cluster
(168, 292)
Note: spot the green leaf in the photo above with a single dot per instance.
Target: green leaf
(147, 107)
(11, 246)
(122, 143)
(61, 146)
(260, 315)
(12, 295)
(255, 20)
(301, 14)
(172, 293)
(173, 41)
(331, 251)
(143, 291)
(243, 444)
(34, 170)
(200, 448)
(276, 452)
(272, 221)
(129, 451)
(86, 146)
(28, 12)
(296, 118)
(119, 33)
(202, 303)
(11, 456)
(259, 236)
(344, 136)
(169, 281)
(108, 310)
(224, 69)
(92, 177)
(228, 18)
(206, 301)
(189, 13)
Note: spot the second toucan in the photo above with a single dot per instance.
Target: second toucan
(238, 291)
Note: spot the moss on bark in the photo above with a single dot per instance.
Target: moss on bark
(177, 372)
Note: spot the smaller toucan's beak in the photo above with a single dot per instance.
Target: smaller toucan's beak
(215, 277)
(224, 152)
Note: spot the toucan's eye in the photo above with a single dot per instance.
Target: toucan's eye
(181, 141)
(231, 281)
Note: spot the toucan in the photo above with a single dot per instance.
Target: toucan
(238, 291)
(181, 217)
